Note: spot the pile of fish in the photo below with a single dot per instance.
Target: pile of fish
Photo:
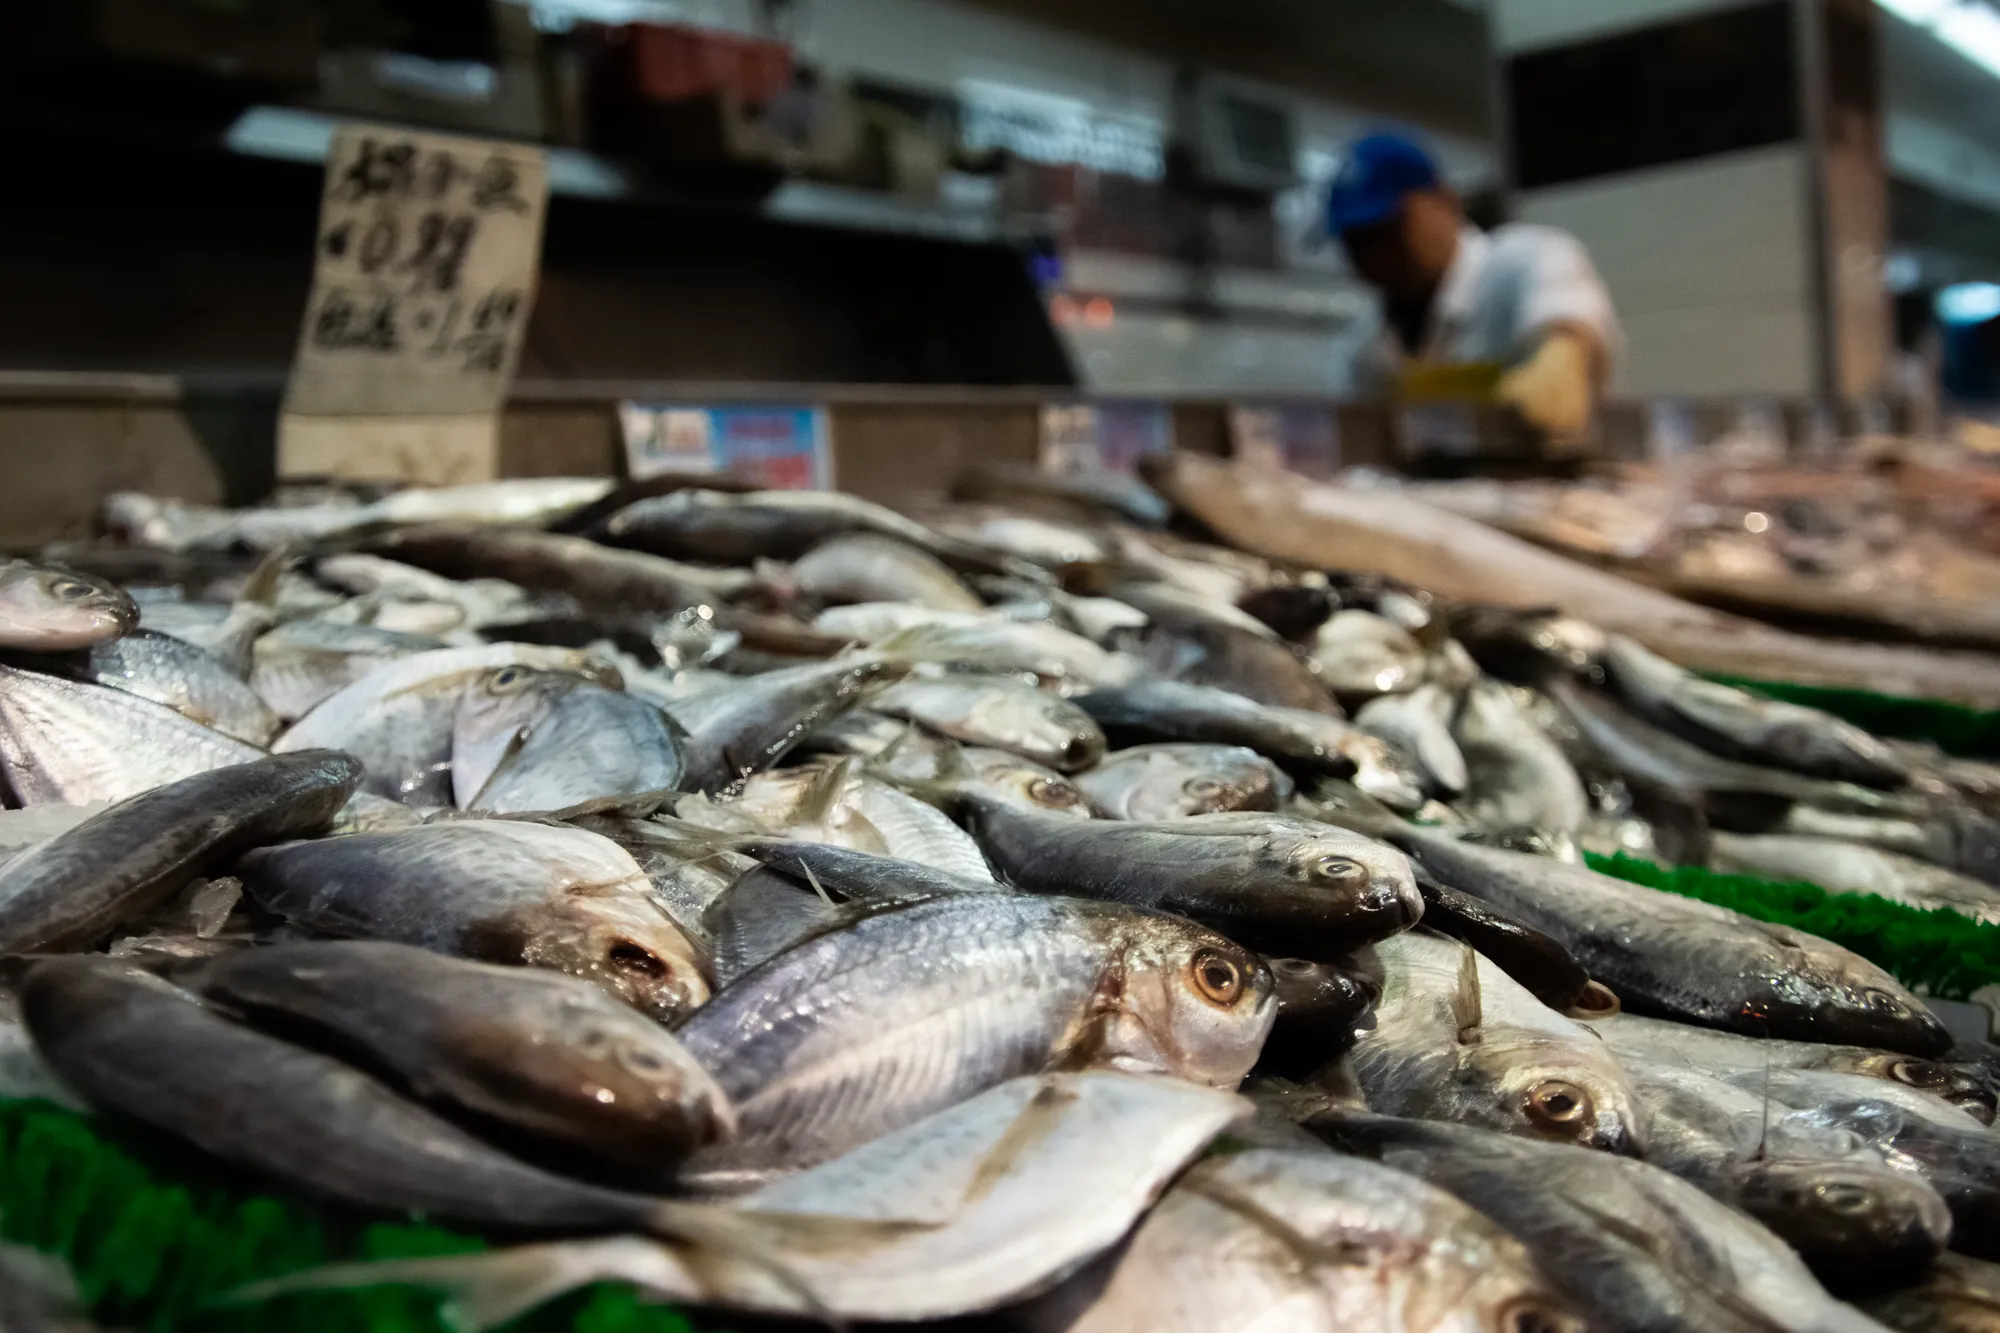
(796, 909)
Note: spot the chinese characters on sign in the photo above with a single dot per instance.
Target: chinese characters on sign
(423, 279)
(779, 447)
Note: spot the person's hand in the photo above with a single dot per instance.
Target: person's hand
(1553, 390)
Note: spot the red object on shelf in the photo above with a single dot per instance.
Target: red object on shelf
(674, 63)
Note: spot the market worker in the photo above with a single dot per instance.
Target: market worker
(1523, 302)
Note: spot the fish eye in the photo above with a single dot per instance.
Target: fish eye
(1884, 1003)
(641, 1061)
(1054, 793)
(1844, 1197)
(1917, 1073)
(1338, 870)
(1217, 978)
(1558, 1103)
(1292, 967)
(507, 677)
(1527, 1314)
(636, 959)
(1076, 752)
(72, 590)
(1202, 787)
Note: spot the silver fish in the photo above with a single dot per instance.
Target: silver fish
(580, 742)
(546, 1054)
(736, 529)
(1455, 1038)
(858, 1032)
(49, 609)
(1419, 725)
(478, 602)
(1316, 1242)
(967, 1210)
(1360, 655)
(1154, 782)
(999, 713)
(1065, 661)
(63, 740)
(865, 567)
(1844, 867)
(190, 680)
(747, 727)
(74, 889)
(397, 720)
(496, 891)
(1516, 776)
(301, 663)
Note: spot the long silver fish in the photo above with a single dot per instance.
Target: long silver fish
(545, 1054)
(1516, 776)
(192, 681)
(48, 609)
(1844, 867)
(866, 567)
(1291, 887)
(76, 888)
(1154, 782)
(1316, 1242)
(497, 891)
(863, 1030)
(68, 741)
(1457, 1039)
(999, 713)
(963, 1212)
(736, 529)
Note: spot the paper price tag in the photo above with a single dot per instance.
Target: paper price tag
(780, 447)
(423, 279)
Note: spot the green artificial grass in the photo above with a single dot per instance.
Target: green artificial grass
(1938, 953)
(1970, 733)
(157, 1234)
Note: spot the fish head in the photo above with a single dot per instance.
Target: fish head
(1964, 1086)
(494, 712)
(1821, 992)
(1384, 772)
(1862, 1220)
(1173, 782)
(1185, 1001)
(1524, 1082)
(1026, 785)
(1341, 889)
(1041, 725)
(623, 945)
(46, 608)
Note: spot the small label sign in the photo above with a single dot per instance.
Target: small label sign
(779, 447)
(1113, 435)
(423, 280)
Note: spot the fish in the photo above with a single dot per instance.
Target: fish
(596, 577)
(1008, 777)
(1739, 725)
(495, 891)
(865, 567)
(759, 916)
(1516, 775)
(398, 719)
(1457, 1039)
(1291, 887)
(1418, 723)
(477, 602)
(737, 529)
(52, 609)
(685, 866)
(1157, 782)
(856, 875)
(1958, 1295)
(1729, 1055)
(1066, 662)
(1311, 1241)
(1530, 957)
(1360, 655)
(73, 890)
(998, 713)
(539, 1053)
(190, 680)
(1092, 492)
(859, 1032)
(133, 1044)
(1859, 1224)
(74, 742)
(1202, 648)
(1321, 1008)
(1041, 540)
(953, 1215)
(1845, 867)
(299, 664)
(577, 742)
(745, 728)
(1633, 1246)
(1672, 957)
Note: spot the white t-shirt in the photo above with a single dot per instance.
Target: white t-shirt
(1503, 290)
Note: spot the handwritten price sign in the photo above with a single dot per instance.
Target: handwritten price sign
(423, 278)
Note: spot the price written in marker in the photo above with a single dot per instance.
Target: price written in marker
(423, 280)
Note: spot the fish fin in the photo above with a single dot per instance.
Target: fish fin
(1764, 1128)
(1467, 1004)
(1309, 1253)
(818, 887)
(634, 805)
(1037, 1120)
(261, 588)
(823, 793)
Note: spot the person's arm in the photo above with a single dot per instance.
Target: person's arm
(1555, 390)
(1569, 335)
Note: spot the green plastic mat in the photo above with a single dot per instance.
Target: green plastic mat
(1937, 953)
(156, 1234)
(1971, 733)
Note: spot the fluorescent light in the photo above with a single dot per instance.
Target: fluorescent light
(1969, 27)
(1969, 303)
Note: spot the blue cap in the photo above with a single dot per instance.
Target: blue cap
(1379, 171)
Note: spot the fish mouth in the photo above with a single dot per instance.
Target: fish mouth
(1977, 1103)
